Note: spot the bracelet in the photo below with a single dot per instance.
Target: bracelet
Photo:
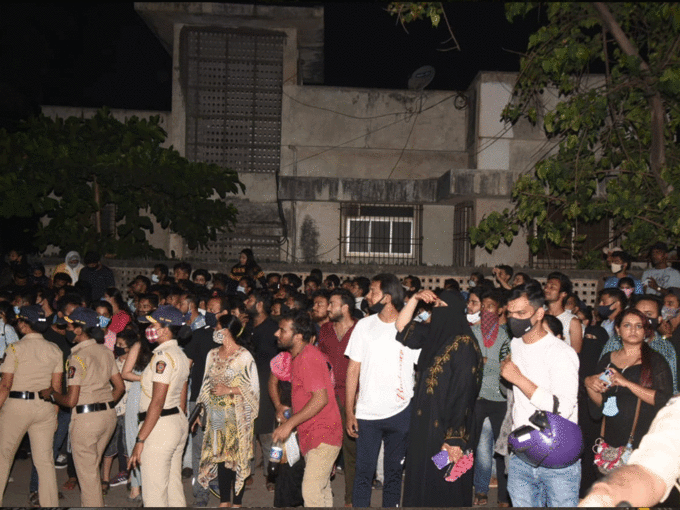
(140, 440)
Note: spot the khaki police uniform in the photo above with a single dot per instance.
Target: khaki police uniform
(659, 450)
(161, 459)
(32, 361)
(93, 420)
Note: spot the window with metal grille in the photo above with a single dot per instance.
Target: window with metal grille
(463, 214)
(381, 233)
(232, 80)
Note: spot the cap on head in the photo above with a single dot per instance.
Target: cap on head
(167, 315)
(32, 313)
(83, 317)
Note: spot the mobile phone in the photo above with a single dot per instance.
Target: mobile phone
(441, 459)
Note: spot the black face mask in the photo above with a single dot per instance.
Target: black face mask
(378, 307)
(604, 311)
(654, 322)
(118, 351)
(519, 327)
(71, 336)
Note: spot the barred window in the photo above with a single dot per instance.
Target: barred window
(381, 233)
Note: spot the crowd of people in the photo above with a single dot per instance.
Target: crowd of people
(416, 391)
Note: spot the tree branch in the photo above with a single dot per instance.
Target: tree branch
(657, 152)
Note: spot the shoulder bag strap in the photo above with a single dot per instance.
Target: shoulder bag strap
(637, 415)
(635, 420)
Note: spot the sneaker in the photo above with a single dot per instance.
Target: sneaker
(187, 473)
(33, 499)
(120, 479)
(214, 487)
(202, 500)
(61, 461)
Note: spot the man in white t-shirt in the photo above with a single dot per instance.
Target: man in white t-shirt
(540, 367)
(661, 277)
(383, 370)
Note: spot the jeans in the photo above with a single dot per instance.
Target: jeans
(196, 441)
(394, 432)
(488, 417)
(538, 487)
(63, 421)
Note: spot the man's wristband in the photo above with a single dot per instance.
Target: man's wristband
(140, 440)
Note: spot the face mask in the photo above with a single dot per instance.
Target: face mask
(155, 278)
(628, 292)
(616, 268)
(210, 319)
(17, 310)
(669, 313)
(377, 308)
(471, 283)
(473, 318)
(151, 334)
(104, 321)
(118, 351)
(604, 311)
(240, 289)
(71, 336)
(423, 316)
(218, 337)
(519, 327)
(654, 322)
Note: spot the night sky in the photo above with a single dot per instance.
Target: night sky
(96, 54)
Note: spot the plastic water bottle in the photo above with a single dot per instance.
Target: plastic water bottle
(275, 456)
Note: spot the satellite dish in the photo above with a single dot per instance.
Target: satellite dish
(421, 78)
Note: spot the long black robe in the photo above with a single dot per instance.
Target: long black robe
(449, 378)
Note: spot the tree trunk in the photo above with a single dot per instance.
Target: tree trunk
(657, 151)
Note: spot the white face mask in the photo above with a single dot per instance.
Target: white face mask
(423, 316)
(473, 318)
(471, 283)
(616, 268)
(241, 289)
(155, 278)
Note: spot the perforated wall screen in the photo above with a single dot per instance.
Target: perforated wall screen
(232, 80)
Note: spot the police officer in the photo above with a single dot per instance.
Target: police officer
(91, 370)
(31, 364)
(164, 428)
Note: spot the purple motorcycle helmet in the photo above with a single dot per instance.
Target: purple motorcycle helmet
(556, 443)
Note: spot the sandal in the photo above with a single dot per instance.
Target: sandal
(70, 484)
(106, 485)
(480, 499)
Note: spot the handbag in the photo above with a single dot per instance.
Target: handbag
(609, 457)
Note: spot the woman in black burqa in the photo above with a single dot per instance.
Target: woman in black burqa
(449, 376)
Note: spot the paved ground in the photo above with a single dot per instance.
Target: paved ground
(256, 495)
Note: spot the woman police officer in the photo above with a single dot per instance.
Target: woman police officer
(163, 423)
(91, 370)
(30, 364)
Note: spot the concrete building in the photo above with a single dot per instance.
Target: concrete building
(335, 175)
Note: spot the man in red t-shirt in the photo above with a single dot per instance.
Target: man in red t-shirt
(333, 339)
(315, 411)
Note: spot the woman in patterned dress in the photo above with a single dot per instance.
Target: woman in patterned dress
(231, 394)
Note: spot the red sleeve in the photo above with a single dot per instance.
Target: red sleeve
(316, 375)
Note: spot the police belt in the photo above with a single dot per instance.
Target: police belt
(164, 412)
(26, 395)
(91, 408)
